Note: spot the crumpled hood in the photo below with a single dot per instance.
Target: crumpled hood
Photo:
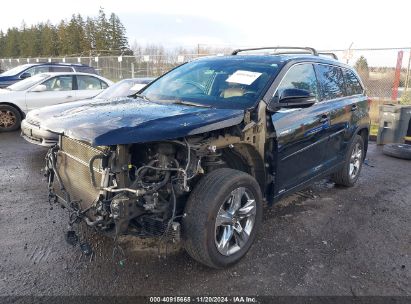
(129, 120)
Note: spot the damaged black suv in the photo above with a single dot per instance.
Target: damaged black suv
(195, 155)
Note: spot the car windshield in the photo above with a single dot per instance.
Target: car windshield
(16, 70)
(120, 89)
(27, 83)
(218, 82)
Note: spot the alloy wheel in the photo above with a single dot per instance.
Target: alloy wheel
(7, 119)
(355, 161)
(235, 221)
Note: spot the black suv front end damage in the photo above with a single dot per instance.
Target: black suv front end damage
(141, 189)
(124, 189)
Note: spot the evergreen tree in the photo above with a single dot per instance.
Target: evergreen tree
(78, 36)
(24, 39)
(74, 34)
(2, 43)
(102, 32)
(49, 40)
(362, 68)
(81, 25)
(12, 45)
(63, 44)
(117, 34)
(35, 42)
(90, 35)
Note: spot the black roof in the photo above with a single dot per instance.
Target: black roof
(280, 59)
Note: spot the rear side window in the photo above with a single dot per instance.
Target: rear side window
(37, 70)
(59, 83)
(353, 85)
(88, 83)
(301, 76)
(331, 81)
(60, 69)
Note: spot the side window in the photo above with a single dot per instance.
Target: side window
(88, 83)
(353, 86)
(37, 70)
(60, 69)
(301, 76)
(331, 81)
(104, 85)
(59, 83)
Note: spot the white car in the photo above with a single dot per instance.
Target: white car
(32, 131)
(44, 90)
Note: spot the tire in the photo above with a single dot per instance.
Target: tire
(397, 150)
(215, 194)
(10, 118)
(346, 177)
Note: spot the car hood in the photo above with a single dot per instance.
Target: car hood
(129, 120)
(7, 95)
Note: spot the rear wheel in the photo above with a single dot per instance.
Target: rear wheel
(10, 118)
(349, 173)
(222, 217)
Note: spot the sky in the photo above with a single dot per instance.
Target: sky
(317, 23)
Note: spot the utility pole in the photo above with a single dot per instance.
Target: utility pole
(408, 72)
(349, 52)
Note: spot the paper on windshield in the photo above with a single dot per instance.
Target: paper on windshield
(243, 77)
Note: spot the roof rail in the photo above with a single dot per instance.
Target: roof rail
(329, 54)
(309, 49)
(307, 52)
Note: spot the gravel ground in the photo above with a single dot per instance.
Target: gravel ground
(322, 241)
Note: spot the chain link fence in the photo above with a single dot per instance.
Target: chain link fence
(114, 67)
(384, 71)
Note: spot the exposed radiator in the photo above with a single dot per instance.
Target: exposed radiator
(73, 167)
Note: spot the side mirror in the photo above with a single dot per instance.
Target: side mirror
(39, 88)
(294, 98)
(25, 75)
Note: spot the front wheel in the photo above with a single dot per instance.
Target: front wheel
(10, 118)
(349, 173)
(222, 216)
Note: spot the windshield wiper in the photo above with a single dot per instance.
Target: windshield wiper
(141, 96)
(189, 103)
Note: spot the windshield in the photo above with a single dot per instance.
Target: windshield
(121, 89)
(16, 70)
(27, 83)
(218, 82)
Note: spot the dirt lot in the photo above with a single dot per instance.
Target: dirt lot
(323, 241)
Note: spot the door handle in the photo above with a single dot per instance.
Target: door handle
(324, 118)
(69, 96)
(354, 107)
